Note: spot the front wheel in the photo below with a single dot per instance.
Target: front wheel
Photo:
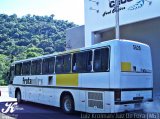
(68, 104)
(18, 96)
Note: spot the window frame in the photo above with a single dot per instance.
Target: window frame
(48, 61)
(36, 72)
(109, 57)
(29, 68)
(70, 63)
(20, 73)
(62, 67)
(83, 51)
(57, 63)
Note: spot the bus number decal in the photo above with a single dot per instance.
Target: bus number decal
(136, 47)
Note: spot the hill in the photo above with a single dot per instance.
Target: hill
(29, 36)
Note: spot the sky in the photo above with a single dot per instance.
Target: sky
(71, 10)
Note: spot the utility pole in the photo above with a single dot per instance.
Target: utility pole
(117, 28)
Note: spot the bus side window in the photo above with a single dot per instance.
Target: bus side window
(18, 69)
(33, 68)
(48, 65)
(74, 65)
(59, 64)
(51, 65)
(67, 63)
(36, 67)
(63, 64)
(101, 60)
(45, 66)
(82, 62)
(89, 61)
(26, 68)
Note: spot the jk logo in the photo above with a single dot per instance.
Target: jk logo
(10, 107)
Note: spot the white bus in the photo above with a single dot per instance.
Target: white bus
(109, 77)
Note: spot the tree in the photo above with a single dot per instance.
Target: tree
(60, 45)
(30, 36)
(49, 50)
(33, 52)
(4, 67)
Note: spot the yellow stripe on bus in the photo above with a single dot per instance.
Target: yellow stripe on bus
(125, 66)
(67, 79)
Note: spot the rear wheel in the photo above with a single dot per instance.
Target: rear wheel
(18, 96)
(68, 104)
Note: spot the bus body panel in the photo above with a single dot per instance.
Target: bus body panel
(135, 80)
(89, 80)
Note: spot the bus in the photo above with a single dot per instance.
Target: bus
(108, 77)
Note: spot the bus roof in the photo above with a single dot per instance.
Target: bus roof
(101, 44)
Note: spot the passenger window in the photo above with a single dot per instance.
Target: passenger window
(45, 66)
(59, 64)
(51, 65)
(101, 60)
(67, 63)
(26, 68)
(36, 67)
(63, 64)
(33, 68)
(82, 62)
(48, 65)
(18, 69)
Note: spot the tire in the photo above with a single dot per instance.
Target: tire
(18, 96)
(68, 104)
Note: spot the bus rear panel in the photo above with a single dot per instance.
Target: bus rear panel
(135, 81)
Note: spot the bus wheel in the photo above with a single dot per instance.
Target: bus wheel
(18, 96)
(68, 104)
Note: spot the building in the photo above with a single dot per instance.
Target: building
(138, 23)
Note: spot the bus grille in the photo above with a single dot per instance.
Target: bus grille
(95, 100)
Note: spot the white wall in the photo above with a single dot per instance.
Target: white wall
(75, 38)
(102, 16)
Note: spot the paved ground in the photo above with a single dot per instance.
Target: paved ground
(36, 111)
(29, 110)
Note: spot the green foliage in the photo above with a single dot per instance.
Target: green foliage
(19, 34)
(30, 36)
(33, 52)
(4, 63)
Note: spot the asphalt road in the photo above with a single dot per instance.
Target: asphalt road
(28, 110)
(11, 110)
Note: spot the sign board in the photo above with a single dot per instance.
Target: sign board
(100, 14)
